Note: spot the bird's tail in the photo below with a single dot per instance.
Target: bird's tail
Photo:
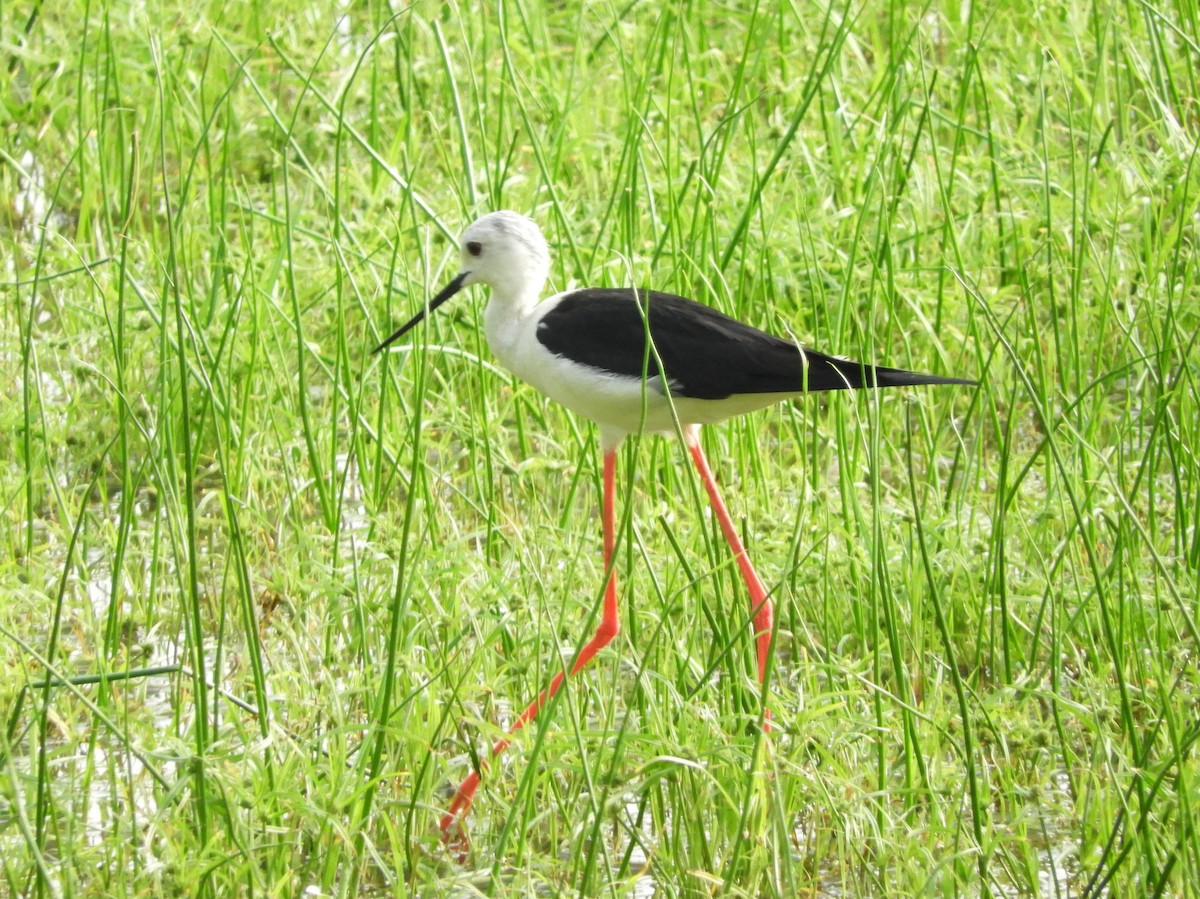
(827, 373)
(898, 377)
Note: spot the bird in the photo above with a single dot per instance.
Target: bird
(633, 361)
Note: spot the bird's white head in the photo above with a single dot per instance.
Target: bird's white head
(504, 250)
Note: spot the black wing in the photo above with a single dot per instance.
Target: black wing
(705, 354)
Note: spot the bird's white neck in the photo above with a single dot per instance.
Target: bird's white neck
(506, 318)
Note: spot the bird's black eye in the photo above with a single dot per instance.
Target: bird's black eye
(474, 247)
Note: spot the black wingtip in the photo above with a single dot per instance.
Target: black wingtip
(898, 377)
(831, 373)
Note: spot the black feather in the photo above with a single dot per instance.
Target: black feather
(705, 354)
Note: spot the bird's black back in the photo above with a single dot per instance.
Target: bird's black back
(705, 354)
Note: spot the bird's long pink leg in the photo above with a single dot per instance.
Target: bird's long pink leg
(609, 625)
(760, 602)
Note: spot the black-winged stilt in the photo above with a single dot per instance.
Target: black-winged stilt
(588, 349)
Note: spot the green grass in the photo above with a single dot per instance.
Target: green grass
(265, 599)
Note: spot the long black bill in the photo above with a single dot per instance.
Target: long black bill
(447, 292)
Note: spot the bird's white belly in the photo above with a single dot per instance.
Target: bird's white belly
(616, 401)
(609, 399)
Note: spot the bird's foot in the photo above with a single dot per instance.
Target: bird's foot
(454, 837)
